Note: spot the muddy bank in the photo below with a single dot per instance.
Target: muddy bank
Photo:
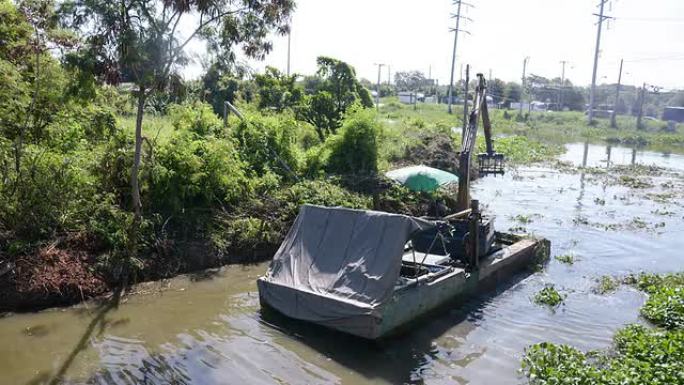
(73, 269)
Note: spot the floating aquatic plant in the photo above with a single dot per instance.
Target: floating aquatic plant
(568, 259)
(549, 296)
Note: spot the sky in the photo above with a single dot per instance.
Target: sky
(415, 35)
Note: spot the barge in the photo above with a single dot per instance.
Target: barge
(357, 271)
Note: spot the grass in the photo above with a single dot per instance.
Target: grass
(549, 296)
(640, 354)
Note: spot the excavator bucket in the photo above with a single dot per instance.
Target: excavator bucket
(490, 163)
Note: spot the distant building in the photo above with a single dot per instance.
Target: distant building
(407, 97)
(534, 106)
(674, 113)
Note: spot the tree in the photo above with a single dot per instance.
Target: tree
(339, 78)
(543, 89)
(333, 90)
(32, 84)
(496, 89)
(512, 93)
(277, 90)
(677, 100)
(138, 41)
(573, 97)
(413, 81)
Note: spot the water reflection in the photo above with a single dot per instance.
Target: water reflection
(610, 155)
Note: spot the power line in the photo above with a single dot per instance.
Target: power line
(657, 58)
(651, 19)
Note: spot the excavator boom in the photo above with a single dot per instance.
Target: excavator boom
(489, 162)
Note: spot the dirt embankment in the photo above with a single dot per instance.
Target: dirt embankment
(438, 151)
(59, 273)
(66, 271)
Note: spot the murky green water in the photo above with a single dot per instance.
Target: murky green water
(208, 329)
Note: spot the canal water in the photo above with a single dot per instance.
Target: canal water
(208, 329)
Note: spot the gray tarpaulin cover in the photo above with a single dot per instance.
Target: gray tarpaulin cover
(337, 265)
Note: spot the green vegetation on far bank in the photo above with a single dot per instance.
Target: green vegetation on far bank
(642, 354)
(550, 128)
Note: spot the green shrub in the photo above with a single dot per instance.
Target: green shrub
(354, 150)
(195, 174)
(75, 127)
(268, 143)
(316, 161)
(255, 229)
(113, 170)
(109, 223)
(197, 117)
(50, 195)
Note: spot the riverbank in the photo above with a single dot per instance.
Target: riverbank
(61, 271)
(212, 195)
(204, 214)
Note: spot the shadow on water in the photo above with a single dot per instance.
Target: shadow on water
(96, 327)
(400, 357)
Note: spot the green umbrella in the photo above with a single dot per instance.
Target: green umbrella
(421, 178)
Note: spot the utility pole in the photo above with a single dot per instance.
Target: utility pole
(592, 95)
(613, 116)
(377, 87)
(642, 96)
(289, 42)
(456, 30)
(389, 75)
(288, 52)
(562, 84)
(522, 92)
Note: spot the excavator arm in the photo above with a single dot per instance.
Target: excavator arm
(489, 162)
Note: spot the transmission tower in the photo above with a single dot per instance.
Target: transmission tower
(459, 7)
